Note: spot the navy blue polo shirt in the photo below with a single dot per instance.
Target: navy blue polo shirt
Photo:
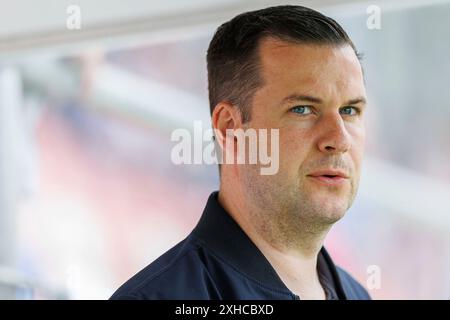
(217, 260)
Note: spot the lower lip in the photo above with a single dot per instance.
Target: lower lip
(335, 181)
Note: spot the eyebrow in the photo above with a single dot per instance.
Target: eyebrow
(301, 97)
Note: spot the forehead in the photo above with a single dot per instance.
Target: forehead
(319, 69)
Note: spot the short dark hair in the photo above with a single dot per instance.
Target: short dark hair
(232, 60)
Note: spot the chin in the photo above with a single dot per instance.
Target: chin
(334, 217)
(332, 212)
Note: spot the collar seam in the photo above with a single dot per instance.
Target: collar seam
(259, 283)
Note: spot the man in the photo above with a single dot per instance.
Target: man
(260, 237)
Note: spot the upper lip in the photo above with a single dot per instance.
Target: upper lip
(329, 172)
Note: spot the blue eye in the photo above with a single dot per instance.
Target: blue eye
(348, 111)
(301, 109)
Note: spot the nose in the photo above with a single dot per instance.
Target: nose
(334, 138)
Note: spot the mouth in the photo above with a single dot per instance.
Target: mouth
(329, 177)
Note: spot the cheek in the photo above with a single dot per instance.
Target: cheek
(295, 145)
(358, 135)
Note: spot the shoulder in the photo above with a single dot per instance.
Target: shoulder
(180, 273)
(353, 289)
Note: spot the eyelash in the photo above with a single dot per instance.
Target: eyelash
(357, 110)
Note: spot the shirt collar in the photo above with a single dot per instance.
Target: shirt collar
(225, 237)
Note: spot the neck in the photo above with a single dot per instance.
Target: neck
(294, 257)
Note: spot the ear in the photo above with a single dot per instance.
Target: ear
(225, 116)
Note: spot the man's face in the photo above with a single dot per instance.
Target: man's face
(315, 96)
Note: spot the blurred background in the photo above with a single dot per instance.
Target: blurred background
(90, 92)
